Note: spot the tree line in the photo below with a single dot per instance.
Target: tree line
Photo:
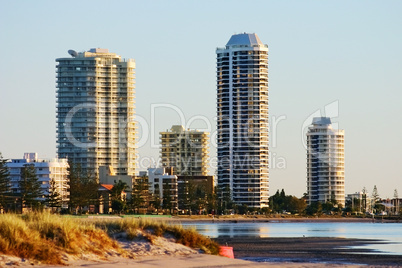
(194, 199)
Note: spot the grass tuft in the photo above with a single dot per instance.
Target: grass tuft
(187, 237)
(45, 237)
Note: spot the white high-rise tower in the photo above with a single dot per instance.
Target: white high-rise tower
(242, 112)
(325, 162)
(95, 111)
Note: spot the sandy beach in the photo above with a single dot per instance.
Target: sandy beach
(264, 252)
(249, 251)
(195, 261)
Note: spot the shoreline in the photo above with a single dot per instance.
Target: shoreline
(239, 219)
(189, 261)
(309, 250)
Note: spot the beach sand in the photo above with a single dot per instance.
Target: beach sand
(195, 261)
(279, 252)
(163, 253)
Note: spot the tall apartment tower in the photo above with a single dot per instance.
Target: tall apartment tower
(325, 162)
(242, 119)
(185, 150)
(95, 110)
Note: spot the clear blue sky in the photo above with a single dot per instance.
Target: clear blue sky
(344, 53)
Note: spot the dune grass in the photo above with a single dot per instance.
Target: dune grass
(187, 237)
(45, 237)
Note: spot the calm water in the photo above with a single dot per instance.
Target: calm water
(389, 232)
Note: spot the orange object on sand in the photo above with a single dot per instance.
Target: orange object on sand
(226, 252)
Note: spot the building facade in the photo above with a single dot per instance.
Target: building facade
(95, 110)
(242, 120)
(360, 202)
(325, 162)
(194, 188)
(163, 184)
(108, 176)
(47, 170)
(185, 150)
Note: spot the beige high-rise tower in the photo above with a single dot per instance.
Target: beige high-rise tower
(325, 162)
(185, 150)
(95, 110)
(242, 113)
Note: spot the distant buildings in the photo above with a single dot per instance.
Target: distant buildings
(185, 150)
(360, 202)
(105, 198)
(95, 110)
(47, 170)
(194, 187)
(163, 185)
(325, 162)
(108, 176)
(242, 115)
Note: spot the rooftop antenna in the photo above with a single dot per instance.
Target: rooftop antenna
(73, 53)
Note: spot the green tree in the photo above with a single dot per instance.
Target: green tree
(4, 182)
(118, 202)
(224, 200)
(212, 202)
(118, 205)
(280, 202)
(83, 188)
(315, 208)
(197, 197)
(53, 199)
(327, 207)
(117, 190)
(30, 187)
(297, 205)
(156, 198)
(375, 196)
(140, 197)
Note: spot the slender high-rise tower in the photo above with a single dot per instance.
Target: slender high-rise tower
(95, 111)
(242, 115)
(325, 162)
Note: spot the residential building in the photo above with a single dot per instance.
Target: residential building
(185, 150)
(325, 162)
(359, 201)
(194, 187)
(95, 110)
(396, 205)
(105, 198)
(108, 176)
(242, 120)
(47, 170)
(163, 185)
